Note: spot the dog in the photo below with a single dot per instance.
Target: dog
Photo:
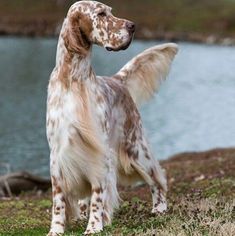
(94, 128)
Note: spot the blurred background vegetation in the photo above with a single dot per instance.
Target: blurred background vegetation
(179, 19)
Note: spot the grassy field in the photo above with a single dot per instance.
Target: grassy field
(154, 18)
(201, 202)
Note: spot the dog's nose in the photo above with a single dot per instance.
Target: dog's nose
(130, 26)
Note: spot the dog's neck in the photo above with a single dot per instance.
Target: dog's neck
(72, 66)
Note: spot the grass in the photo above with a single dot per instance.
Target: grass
(201, 202)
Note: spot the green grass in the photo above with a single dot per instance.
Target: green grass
(201, 201)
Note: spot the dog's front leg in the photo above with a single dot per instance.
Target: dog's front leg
(83, 208)
(95, 223)
(58, 208)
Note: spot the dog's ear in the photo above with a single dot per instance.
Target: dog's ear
(76, 35)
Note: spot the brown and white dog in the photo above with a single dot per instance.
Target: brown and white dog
(94, 128)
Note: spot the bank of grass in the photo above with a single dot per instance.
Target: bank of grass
(151, 16)
(201, 202)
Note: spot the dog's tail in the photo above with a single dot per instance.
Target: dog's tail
(144, 73)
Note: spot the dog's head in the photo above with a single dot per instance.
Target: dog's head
(92, 22)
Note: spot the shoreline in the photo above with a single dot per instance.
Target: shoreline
(30, 182)
(145, 34)
(200, 22)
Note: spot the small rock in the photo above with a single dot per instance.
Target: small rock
(199, 178)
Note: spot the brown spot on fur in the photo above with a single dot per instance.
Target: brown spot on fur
(128, 124)
(65, 70)
(98, 199)
(136, 155)
(105, 218)
(52, 123)
(144, 148)
(101, 33)
(100, 99)
(133, 138)
(98, 190)
(59, 223)
(129, 151)
(71, 142)
(83, 207)
(58, 189)
(147, 156)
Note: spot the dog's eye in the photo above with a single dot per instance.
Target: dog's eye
(102, 14)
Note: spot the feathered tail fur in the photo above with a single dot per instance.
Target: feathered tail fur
(144, 73)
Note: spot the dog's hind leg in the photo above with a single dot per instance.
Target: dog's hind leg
(142, 160)
(159, 199)
(154, 177)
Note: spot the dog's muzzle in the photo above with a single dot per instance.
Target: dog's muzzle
(130, 26)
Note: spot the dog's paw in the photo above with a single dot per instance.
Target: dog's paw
(54, 234)
(159, 208)
(93, 230)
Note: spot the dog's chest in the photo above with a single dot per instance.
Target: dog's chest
(59, 119)
(64, 114)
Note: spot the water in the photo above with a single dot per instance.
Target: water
(193, 111)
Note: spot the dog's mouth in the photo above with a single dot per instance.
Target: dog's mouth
(122, 47)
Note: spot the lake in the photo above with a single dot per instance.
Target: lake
(194, 110)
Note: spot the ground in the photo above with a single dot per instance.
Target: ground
(201, 202)
(201, 20)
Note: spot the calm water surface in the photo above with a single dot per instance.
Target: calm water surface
(194, 110)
